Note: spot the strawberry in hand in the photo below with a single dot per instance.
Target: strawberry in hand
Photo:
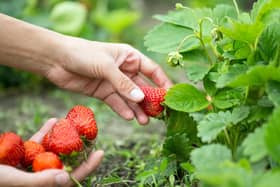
(83, 119)
(46, 160)
(11, 149)
(32, 149)
(151, 104)
(63, 138)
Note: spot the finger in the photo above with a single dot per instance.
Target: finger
(140, 81)
(154, 72)
(88, 166)
(124, 85)
(46, 178)
(141, 117)
(119, 106)
(49, 178)
(37, 137)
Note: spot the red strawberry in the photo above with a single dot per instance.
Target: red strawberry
(45, 141)
(31, 150)
(151, 104)
(83, 119)
(46, 160)
(63, 138)
(11, 149)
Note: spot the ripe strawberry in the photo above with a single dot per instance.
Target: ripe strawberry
(45, 141)
(151, 104)
(46, 160)
(63, 138)
(83, 119)
(32, 149)
(11, 149)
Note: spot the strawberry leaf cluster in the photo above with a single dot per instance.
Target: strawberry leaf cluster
(223, 128)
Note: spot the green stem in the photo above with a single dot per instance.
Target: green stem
(154, 179)
(75, 181)
(200, 37)
(184, 39)
(246, 93)
(217, 54)
(227, 137)
(236, 7)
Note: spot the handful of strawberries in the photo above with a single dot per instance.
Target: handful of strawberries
(66, 137)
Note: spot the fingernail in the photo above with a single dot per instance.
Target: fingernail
(137, 94)
(61, 179)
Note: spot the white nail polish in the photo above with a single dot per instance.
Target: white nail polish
(137, 94)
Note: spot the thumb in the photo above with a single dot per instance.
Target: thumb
(50, 178)
(124, 85)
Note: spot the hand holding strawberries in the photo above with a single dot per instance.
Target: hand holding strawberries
(50, 177)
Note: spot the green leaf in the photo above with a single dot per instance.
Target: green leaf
(262, 7)
(185, 17)
(145, 174)
(234, 71)
(228, 175)
(254, 145)
(181, 122)
(214, 123)
(209, 157)
(227, 98)
(257, 6)
(68, 17)
(222, 12)
(272, 138)
(209, 85)
(244, 32)
(111, 180)
(239, 113)
(196, 65)
(258, 113)
(256, 76)
(273, 92)
(185, 98)
(187, 166)
(166, 38)
(269, 179)
(269, 44)
(178, 145)
(272, 17)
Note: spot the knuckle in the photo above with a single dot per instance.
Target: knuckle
(124, 84)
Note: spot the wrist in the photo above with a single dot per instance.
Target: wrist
(28, 47)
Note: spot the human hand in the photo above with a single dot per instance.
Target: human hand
(52, 177)
(109, 72)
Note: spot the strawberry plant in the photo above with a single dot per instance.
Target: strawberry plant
(223, 128)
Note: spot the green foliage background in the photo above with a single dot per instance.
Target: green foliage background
(223, 125)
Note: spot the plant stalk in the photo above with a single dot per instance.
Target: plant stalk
(227, 137)
(236, 7)
(75, 181)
